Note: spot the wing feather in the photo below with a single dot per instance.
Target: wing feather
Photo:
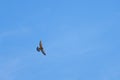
(37, 49)
(43, 52)
(40, 44)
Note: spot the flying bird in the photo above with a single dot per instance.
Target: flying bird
(40, 48)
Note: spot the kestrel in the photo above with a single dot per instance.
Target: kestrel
(40, 48)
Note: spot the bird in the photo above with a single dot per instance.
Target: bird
(40, 48)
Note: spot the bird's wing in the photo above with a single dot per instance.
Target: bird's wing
(43, 51)
(40, 44)
(37, 49)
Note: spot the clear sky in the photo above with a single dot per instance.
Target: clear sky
(81, 39)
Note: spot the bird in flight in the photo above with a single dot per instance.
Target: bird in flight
(40, 48)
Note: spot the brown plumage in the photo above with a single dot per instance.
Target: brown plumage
(40, 48)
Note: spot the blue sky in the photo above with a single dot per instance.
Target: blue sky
(81, 39)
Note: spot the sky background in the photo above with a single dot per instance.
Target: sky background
(81, 39)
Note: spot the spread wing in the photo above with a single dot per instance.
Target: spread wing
(38, 49)
(40, 44)
(43, 51)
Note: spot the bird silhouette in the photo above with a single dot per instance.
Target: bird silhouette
(40, 48)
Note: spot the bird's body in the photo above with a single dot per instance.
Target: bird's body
(40, 48)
